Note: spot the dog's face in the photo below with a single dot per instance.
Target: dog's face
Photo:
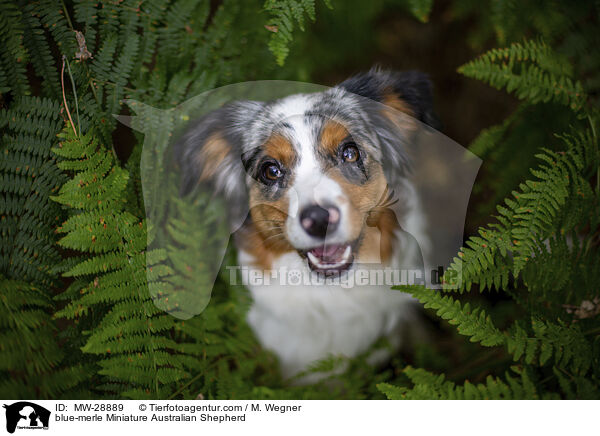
(315, 180)
(315, 171)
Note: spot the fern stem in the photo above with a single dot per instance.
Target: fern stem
(466, 370)
(181, 389)
(62, 82)
(592, 331)
(91, 83)
(75, 94)
(565, 372)
(104, 82)
(593, 127)
(69, 22)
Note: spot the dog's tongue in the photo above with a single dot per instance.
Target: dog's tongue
(329, 253)
(330, 259)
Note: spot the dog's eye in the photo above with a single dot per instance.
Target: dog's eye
(350, 152)
(270, 172)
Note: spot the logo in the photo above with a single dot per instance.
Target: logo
(26, 415)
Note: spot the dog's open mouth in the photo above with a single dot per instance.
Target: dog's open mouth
(330, 259)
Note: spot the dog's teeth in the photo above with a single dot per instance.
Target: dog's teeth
(313, 259)
(320, 264)
(347, 253)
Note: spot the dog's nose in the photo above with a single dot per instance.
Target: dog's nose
(317, 220)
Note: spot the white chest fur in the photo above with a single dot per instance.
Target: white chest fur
(305, 322)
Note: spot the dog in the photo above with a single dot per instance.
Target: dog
(325, 178)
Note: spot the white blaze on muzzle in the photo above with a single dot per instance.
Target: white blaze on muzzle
(312, 186)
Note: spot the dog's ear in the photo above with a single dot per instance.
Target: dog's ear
(210, 154)
(409, 92)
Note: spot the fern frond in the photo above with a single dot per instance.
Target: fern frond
(39, 51)
(52, 17)
(284, 15)
(132, 330)
(531, 70)
(567, 344)
(29, 176)
(431, 386)
(28, 348)
(12, 52)
(576, 387)
(474, 323)
(173, 38)
(530, 217)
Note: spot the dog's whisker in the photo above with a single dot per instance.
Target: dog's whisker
(253, 232)
(273, 236)
(268, 221)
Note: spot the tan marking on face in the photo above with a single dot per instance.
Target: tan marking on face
(404, 120)
(264, 238)
(382, 224)
(278, 147)
(366, 216)
(332, 134)
(211, 156)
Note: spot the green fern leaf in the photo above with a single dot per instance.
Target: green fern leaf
(531, 70)
(474, 323)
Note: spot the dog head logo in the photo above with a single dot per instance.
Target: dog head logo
(26, 415)
(329, 179)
